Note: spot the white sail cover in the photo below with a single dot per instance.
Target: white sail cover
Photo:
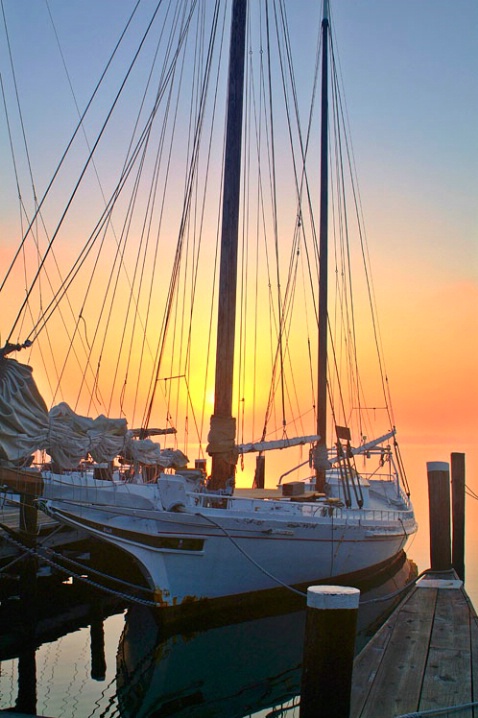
(145, 451)
(72, 437)
(23, 413)
(26, 426)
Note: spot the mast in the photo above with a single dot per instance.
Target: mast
(321, 448)
(222, 435)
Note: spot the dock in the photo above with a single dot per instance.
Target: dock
(424, 658)
(423, 661)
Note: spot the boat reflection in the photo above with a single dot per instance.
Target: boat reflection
(230, 670)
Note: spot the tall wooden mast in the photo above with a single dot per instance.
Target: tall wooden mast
(222, 435)
(321, 449)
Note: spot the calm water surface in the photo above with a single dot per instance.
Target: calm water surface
(128, 665)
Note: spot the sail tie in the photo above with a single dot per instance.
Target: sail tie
(222, 438)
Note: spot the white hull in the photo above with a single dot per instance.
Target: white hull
(250, 545)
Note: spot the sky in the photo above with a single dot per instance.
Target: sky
(409, 71)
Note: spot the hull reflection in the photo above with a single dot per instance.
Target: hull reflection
(230, 670)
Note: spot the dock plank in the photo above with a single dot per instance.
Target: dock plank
(424, 658)
(474, 661)
(396, 685)
(447, 679)
(367, 664)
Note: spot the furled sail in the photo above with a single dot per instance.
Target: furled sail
(72, 437)
(27, 426)
(23, 413)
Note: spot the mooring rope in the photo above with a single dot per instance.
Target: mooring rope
(249, 558)
(41, 554)
(439, 711)
(43, 551)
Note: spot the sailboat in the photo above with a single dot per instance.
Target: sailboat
(195, 535)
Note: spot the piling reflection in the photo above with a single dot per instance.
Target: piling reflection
(231, 670)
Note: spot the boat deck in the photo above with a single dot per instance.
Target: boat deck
(424, 658)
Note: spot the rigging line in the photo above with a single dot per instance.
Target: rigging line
(190, 265)
(258, 136)
(244, 288)
(299, 184)
(119, 262)
(274, 212)
(190, 400)
(342, 311)
(257, 113)
(82, 174)
(45, 553)
(304, 146)
(288, 300)
(146, 229)
(183, 224)
(22, 207)
(84, 134)
(20, 114)
(105, 215)
(271, 153)
(128, 168)
(145, 342)
(274, 322)
(27, 154)
(63, 157)
(348, 284)
(216, 263)
(366, 263)
(105, 223)
(182, 229)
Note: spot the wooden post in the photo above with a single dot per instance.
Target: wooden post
(329, 649)
(28, 525)
(439, 509)
(28, 516)
(458, 513)
(27, 681)
(97, 646)
(260, 472)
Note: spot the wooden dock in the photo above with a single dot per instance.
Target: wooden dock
(424, 658)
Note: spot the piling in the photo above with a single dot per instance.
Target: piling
(28, 524)
(27, 684)
(97, 646)
(329, 648)
(458, 513)
(28, 519)
(439, 510)
(27, 681)
(260, 472)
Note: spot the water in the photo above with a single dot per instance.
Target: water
(98, 657)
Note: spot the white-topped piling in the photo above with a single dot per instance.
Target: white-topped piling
(329, 648)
